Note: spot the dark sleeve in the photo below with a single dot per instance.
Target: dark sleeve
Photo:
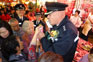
(44, 28)
(0, 54)
(46, 44)
(62, 46)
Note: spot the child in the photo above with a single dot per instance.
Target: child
(11, 50)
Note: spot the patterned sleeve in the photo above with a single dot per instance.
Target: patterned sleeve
(32, 53)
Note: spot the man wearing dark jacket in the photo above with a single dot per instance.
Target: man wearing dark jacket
(63, 37)
(20, 11)
(38, 21)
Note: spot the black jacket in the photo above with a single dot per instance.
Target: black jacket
(21, 20)
(65, 43)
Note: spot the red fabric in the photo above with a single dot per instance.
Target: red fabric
(0, 16)
(37, 10)
(80, 52)
(32, 53)
(45, 10)
(5, 17)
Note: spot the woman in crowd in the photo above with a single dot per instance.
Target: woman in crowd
(88, 26)
(5, 32)
(28, 28)
(35, 47)
(11, 50)
(76, 20)
(90, 18)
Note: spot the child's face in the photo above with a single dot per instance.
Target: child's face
(90, 57)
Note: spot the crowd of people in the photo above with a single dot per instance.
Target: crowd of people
(26, 37)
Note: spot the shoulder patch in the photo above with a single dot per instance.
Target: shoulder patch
(64, 28)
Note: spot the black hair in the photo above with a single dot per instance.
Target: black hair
(91, 51)
(77, 11)
(7, 26)
(8, 47)
(27, 12)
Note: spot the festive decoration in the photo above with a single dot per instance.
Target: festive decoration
(83, 48)
(53, 35)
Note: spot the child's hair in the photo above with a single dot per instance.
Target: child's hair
(77, 11)
(50, 57)
(8, 47)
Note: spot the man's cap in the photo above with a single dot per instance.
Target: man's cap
(19, 6)
(55, 6)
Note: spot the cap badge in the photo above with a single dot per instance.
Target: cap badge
(20, 5)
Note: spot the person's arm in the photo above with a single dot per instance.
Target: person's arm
(62, 46)
(32, 47)
(35, 37)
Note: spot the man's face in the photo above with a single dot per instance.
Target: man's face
(20, 12)
(15, 26)
(52, 18)
(38, 17)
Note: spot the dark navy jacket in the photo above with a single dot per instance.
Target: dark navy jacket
(66, 41)
(21, 20)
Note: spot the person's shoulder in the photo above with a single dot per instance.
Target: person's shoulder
(12, 57)
(72, 17)
(42, 22)
(17, 17)
(21, 30)
(71, 26)
(25, 18)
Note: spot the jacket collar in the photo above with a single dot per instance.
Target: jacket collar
(63, 22)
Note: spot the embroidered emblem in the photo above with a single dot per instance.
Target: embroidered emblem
(54, 35)
(20, 5)
(64, 28)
